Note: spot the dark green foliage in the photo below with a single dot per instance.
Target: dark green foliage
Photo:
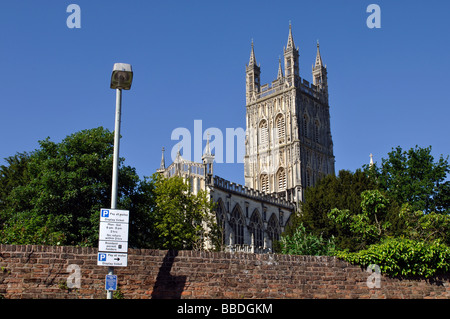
(413, 177)
(304, 243)
(403, 257)
(13, 174)
(342, 192)
(54, 195)
(368, 226)
(396, 216)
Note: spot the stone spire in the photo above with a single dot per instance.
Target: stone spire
(162, 167)
(280, 70)
(208, 160)
(207, 147)
(318, 57)
(290, 43)
(319, 72)
(252, 56)
(163, 161)
(291, 60)
(252, 74)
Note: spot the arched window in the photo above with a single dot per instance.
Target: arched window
(281, 178)
(220, 217)
(280, 128)
(308, 178)
(316, 131)
(273, 229)
(264, 183)
(237, 225)
(263, 132)
(256, 228)
(305, 125)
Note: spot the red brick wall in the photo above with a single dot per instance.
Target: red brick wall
(32, 271)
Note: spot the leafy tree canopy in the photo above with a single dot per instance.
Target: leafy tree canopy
(181, 218)
(414, 177)
(54, 194)
(342, 192)
(396, 215)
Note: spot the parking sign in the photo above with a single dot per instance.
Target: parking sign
(113, 237)
(101, 257)
(105, 213)
(111, 282)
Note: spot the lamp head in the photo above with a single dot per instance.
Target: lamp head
(122, 76)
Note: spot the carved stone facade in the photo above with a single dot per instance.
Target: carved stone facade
(288, 148)
(250, 220)
(288, 142)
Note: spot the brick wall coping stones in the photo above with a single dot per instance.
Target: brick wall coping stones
(37, 271)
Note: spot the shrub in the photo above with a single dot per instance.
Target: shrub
(303, 243)
(403, 257)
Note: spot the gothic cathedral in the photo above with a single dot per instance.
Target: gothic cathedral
(288, 147)
(288, 143)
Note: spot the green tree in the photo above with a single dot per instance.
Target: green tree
(396, 215)
(370, 225)
(182, 220)
(62, 187)
(12, 175)
(424, 227)
(342, 192)
(414, 177)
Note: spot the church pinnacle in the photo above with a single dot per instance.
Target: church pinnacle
(319, 72)
(253, 72)
(290, 43)
(162, 167)
(252, 56)
(318, 57)
(207, 147)
(280, 70)
(291, 60)
(208, 159)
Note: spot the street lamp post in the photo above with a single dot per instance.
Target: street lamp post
(121, 78)
(115, 175)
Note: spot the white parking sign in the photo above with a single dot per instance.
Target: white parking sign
(113, 238)
(112, 259)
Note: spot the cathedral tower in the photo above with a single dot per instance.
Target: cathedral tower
(252, 76)
(288, 140)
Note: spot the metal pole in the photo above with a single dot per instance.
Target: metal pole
(115, 177)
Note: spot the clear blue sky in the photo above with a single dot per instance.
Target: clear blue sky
(387, 86)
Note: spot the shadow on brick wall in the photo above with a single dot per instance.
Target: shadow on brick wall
(166, 285)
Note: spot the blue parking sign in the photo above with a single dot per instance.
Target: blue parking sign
(105, 212)
(111, 282)
(101, 257)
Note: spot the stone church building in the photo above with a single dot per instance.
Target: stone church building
(288, 147)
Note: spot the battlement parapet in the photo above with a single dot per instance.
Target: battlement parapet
(280, 85)
(245, 191)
